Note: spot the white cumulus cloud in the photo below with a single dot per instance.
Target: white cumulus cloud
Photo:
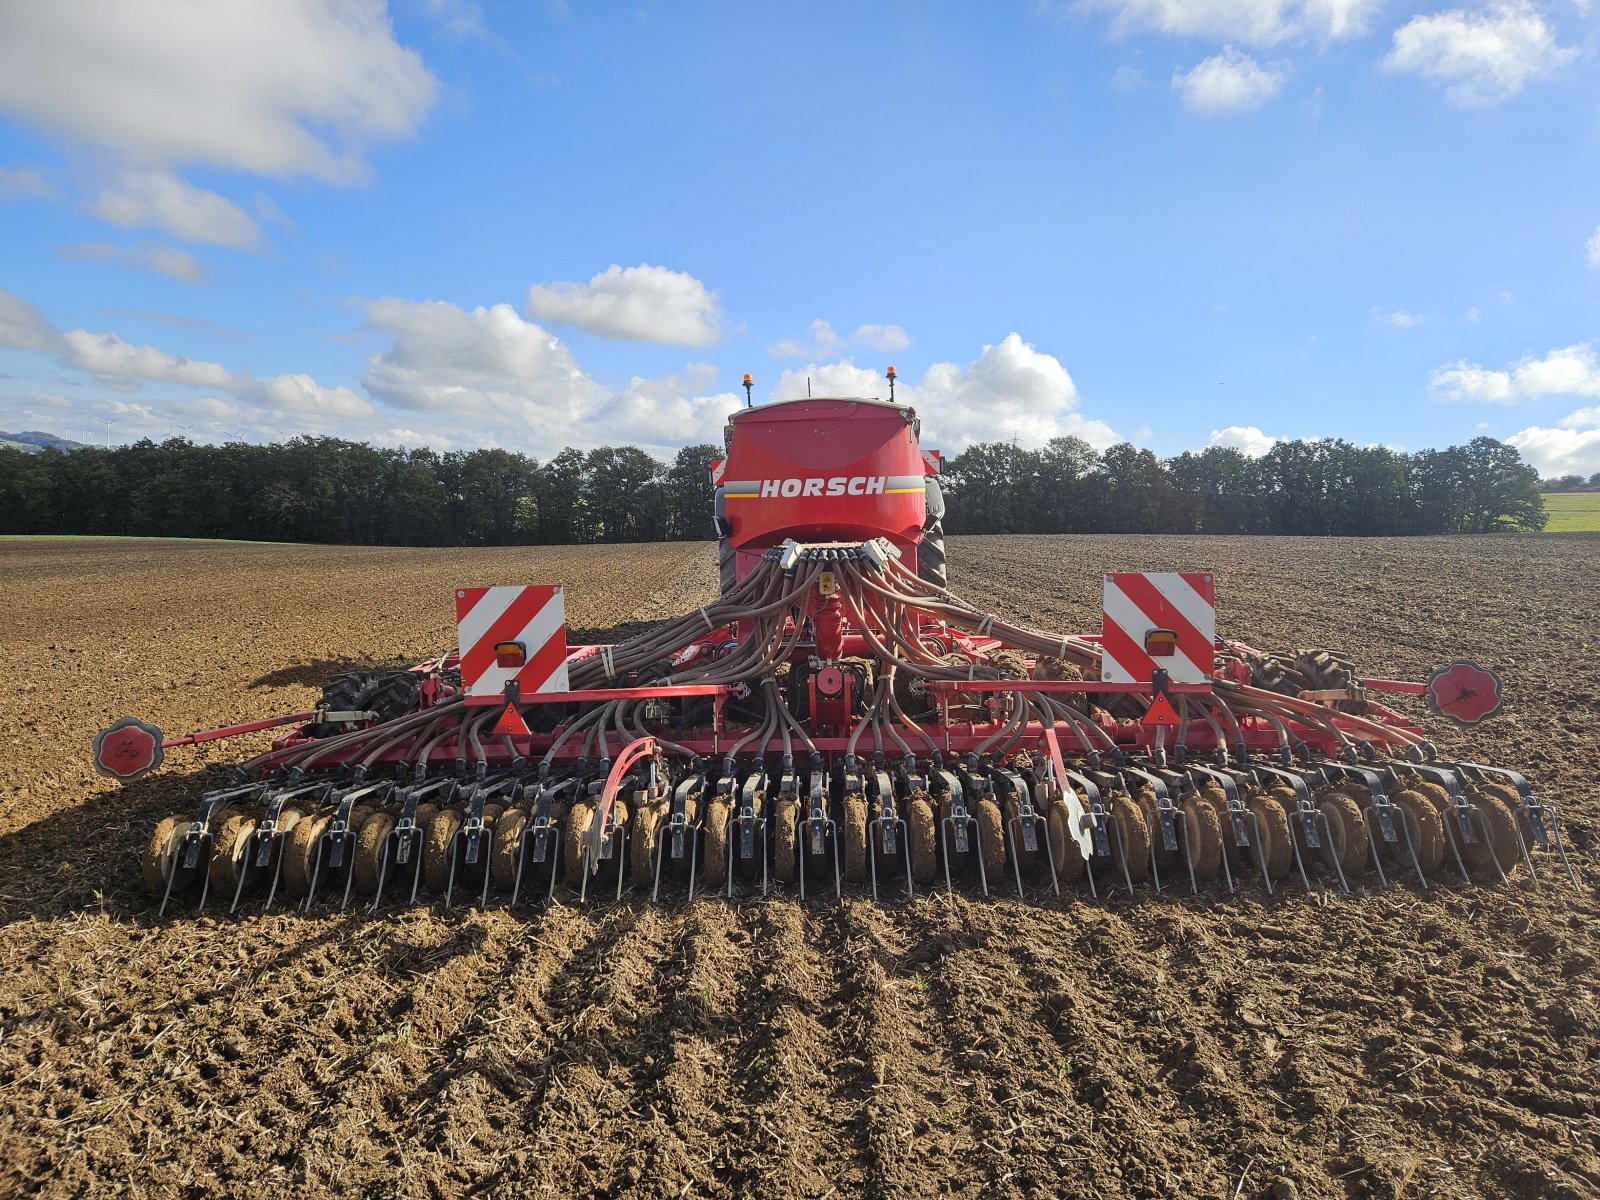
(824, 341)
(1480, 57)
(1226, 82)
(1398, 319)
(643, 303)
(1012, 390)
(487, 367)
(1571, 449)
(1246, 439)
(883, 337)
(108, 355)
(1253, 22)
(23, 327)
(1568, 371)
(272, 87)
(161, 200)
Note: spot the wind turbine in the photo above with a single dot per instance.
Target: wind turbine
(108, 422)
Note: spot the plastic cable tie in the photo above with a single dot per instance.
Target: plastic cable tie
(706, 617)
(605, 661)
(1064, 639)
(986, 624)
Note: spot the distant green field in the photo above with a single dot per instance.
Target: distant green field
(1572, 512)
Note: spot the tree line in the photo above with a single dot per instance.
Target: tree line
(335, 491)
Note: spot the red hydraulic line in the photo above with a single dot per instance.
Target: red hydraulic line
(211, 735)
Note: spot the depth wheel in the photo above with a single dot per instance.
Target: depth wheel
(854, 833)
(299, 853)
(1203, 833)
(228, 849)
(370, 842)
(923, 832)
(1277, 847)
(1134, 851)
(785, 838)
(161, 855)
(508, 832)
(991, 839)
(1501, 844)
(579, 817)
(436, 853)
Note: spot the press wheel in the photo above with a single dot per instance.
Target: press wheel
(228, 849)
(160, 858)
(922, 829)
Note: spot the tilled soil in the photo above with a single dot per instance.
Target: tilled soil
(1408, 1043)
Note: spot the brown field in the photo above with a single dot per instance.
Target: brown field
(1396, 1044)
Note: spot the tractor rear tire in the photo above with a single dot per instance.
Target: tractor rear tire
(930, 551)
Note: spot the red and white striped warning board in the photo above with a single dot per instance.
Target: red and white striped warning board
(1158, 619)
(512, 633)
(932, 461)
(719, 467)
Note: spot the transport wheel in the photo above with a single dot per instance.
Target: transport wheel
(300, 851)
(508, 832)
(1064, 850)
(1426, 828)
(227, 853)
(436, 849)
(1134, 852)
(923, 832)
(1501, 844)
(1277, 851)
(854, 832)
(991, 839)
(579, 817)
(714, 859)
(369, 852)
(785, 838)
(160, 857)
(643, 837)
(1204, 834)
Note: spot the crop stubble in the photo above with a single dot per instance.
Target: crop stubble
(1401, 1044)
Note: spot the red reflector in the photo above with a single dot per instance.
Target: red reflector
(1161, 643)
(509, 654)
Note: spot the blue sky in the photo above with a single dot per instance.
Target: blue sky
(1179, 222)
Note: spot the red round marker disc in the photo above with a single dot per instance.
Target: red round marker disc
(1464, 692)
(127, 750)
